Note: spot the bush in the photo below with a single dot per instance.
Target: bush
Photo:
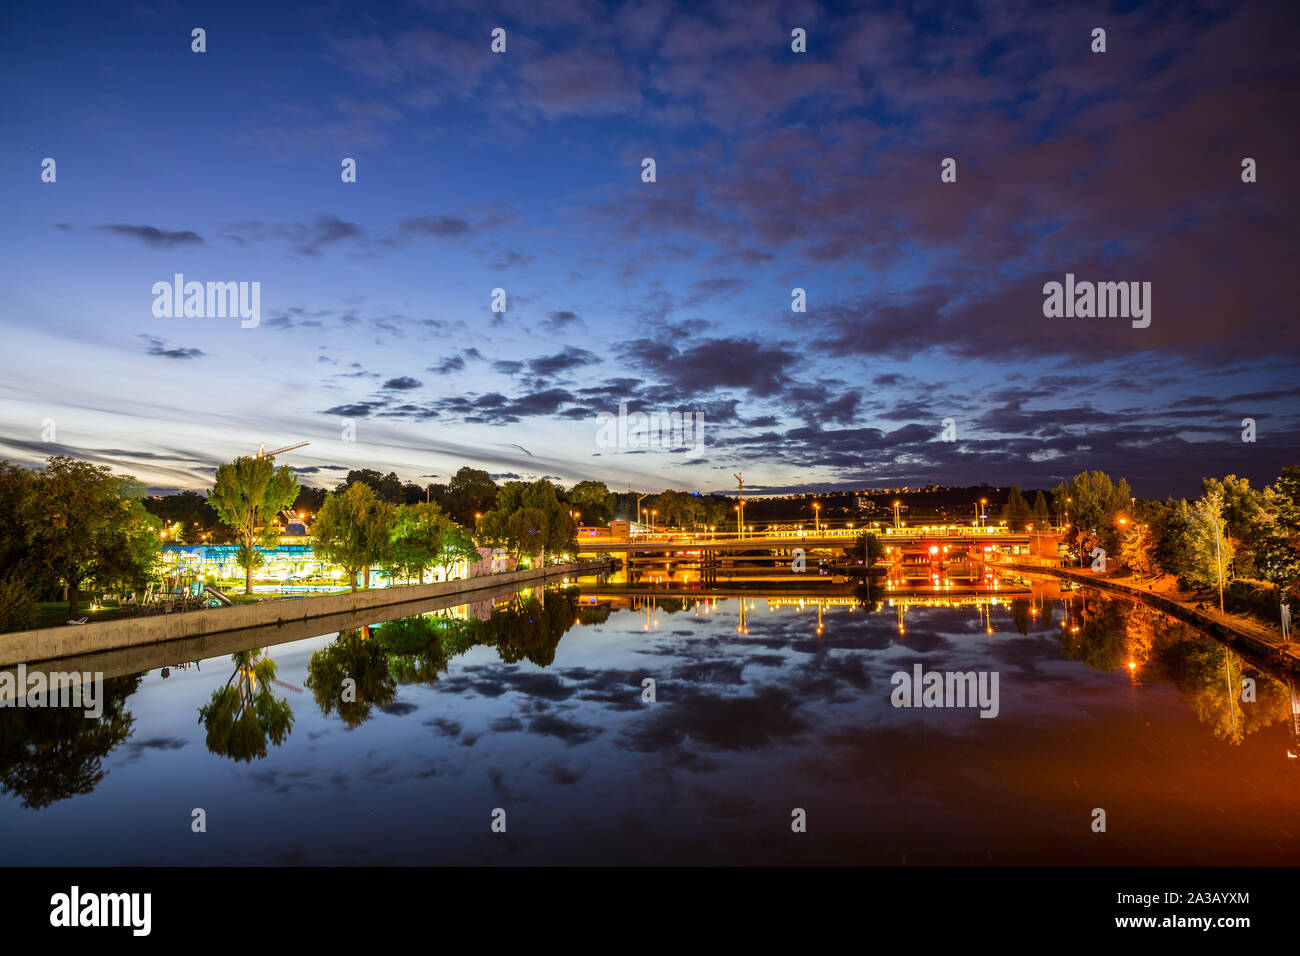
(18, 609)
(1259, 598)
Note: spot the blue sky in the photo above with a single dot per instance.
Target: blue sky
(774, 170)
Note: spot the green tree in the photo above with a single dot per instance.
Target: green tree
(1137, 549)
(247, 495)
(673, 510)
(417, 538)
(594, 501)
(18, 609)
(354, 530)
(1039, 514)
(17, 491)
(1250, 519)
(457, 543)
(1016, 512)
(88, 524)
(867, 544)
(1281, 560)
(423, 537)
(387, 487)
(469, 492)
(1097, 504)
(1200, 552)
(530, 520)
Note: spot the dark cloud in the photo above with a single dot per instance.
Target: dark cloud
(402, 384)
(761, 370)
(453, 363)
(155, 238)
(158, 347)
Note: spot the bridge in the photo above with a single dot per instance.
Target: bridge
(906, 539)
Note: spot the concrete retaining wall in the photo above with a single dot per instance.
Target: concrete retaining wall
(25, 647)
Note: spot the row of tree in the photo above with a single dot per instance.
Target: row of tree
(467, 495)
(1252, 534)
(357, 531)
(67, 525)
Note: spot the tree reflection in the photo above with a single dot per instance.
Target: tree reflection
(242, 715)
(529, 628)
(1096, 634)
(594, 613)
(1109, 635)
(53, 753)
(1209, 680)
(1020, 613)
(356, 656)
(419, 649)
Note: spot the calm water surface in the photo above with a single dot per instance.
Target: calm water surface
(759, 710)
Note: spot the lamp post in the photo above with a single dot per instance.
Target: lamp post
(817, 516)
(740, 503)
(983, 512)
(896, 504)
(1218, 556)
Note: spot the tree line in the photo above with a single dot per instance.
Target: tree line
(1251, 535)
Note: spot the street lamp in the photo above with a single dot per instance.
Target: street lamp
(740, 498)
(896, 504)
(1218, 557)
(817, 515)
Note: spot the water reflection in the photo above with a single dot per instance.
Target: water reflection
(53, 753)
(762, 701)
(351, 676)
(1210, 678)
(244, 714)
(362, 668)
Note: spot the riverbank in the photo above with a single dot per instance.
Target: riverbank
(28, 647)
(1231, 630)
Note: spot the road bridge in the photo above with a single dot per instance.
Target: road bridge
(904, 539)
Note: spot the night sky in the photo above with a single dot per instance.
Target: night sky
(775, 170)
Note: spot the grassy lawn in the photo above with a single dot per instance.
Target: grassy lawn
(55, 613)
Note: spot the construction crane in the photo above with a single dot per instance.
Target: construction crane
(263, 453)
